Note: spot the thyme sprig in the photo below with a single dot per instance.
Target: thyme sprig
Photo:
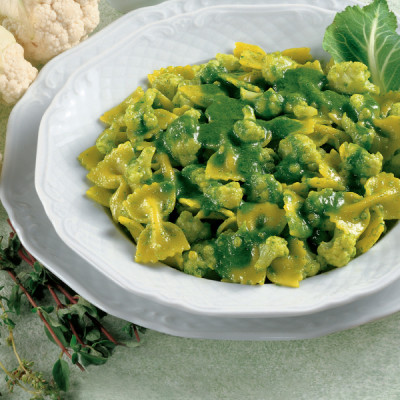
(71, 322)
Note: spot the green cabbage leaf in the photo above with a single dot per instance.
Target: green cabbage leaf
(367, 35)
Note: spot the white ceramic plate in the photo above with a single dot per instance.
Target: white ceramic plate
(70, 125)
(19, 197)
(41, 240)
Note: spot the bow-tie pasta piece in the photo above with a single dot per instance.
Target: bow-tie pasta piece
(90, 157)
(108, 172)
(291, 269)
(384, 190)
(266, 217)
(160, 239)
(223, 165)
(373, 232)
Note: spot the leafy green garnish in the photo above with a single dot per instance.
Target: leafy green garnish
(73, 324)
(61, 374)
(367, 35)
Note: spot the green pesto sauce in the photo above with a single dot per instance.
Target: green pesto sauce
(235, 250)
(222, 113)
(210, 73)
(289, 171)
(318, 204)
(310, 84)
(184, 188)
(225, 108)
(250, 160)
(369, 104)
(281, 126)
(183, 128)
(214, 134)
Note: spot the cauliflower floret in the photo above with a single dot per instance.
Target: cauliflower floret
(360, 134)
(180, 138)
(275, 65)
(226, 196)
(192, 227)
(274, 247)
(139, 170)
(303, 110)
(298, 225)
(139, 118)
(299, 157)
(268, 157)
(167, 84)
(393, 165)
(357, 101)
(340, 250)
(51, 27)
(247, 129)
(209, 72)
(16, 74)
(318, 204)
(229, 61)
(365, 106)
(200, 260)
(302, 148)
(267, 105)
(264, 188)
(358, 161)
(351, 77)
(229, 195)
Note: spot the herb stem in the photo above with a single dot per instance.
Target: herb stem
(29, 259)
(48, 326)
(11, 336)
(135, 331)
(55, 297)
(21, 364)
(94, 320)
(61, 305)
(25, 258)
(11, 376)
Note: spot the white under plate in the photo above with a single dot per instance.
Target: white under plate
(37, 234)
(71, 124)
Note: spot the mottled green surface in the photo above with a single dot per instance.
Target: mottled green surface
(362, 363)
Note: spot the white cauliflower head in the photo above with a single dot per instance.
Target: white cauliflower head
(49, 27)
(16, 74)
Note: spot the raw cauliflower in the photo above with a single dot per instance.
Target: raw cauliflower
(50, 27)
(16, 74)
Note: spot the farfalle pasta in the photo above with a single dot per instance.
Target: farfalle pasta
(251, 168)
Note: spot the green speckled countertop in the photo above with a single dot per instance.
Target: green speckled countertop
(361, 363)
